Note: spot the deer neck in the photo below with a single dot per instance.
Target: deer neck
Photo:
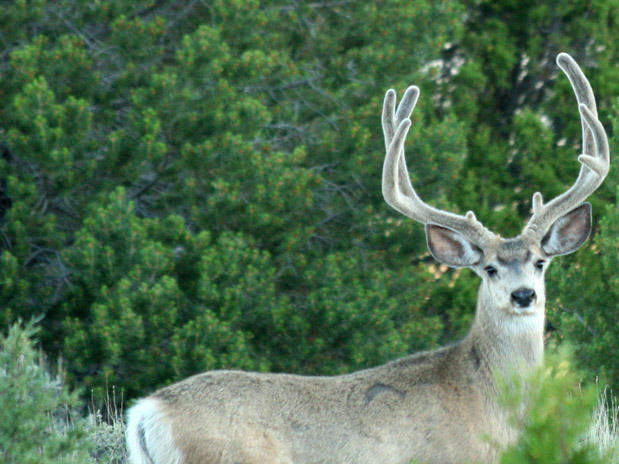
(507, 341)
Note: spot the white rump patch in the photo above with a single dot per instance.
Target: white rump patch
(149, 435)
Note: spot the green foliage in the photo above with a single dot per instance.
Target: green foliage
(35, 408)
(586, 314)
(164, 202)
(558, 414)
(128, 311)
(187, 186)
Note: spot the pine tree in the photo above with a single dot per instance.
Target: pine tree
(195, 186)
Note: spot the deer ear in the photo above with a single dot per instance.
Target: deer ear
(450, 247)
(568, 232)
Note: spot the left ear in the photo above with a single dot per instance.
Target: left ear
(450, 247)
(568, 232)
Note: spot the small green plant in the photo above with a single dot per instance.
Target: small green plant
(554, 413)
(37, 424)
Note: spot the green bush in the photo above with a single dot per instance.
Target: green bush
(37, 412)
(555, 414)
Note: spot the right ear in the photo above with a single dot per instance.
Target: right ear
(568, 232)
(451, 248)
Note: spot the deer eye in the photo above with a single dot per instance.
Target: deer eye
(490, 270)
(539, 264)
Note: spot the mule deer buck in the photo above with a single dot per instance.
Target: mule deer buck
(436, 407)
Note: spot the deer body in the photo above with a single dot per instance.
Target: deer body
(435, 407)
(416, 407)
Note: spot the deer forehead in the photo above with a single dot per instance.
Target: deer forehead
(512, 250)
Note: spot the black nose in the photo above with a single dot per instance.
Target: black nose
(523, 296)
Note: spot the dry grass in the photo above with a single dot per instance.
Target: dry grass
(107, 431)
(604, 432)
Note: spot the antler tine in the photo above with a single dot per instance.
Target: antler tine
(396, 184)
(582, 90)
(391, 119)
(595, 159)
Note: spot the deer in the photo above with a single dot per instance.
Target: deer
(438, 406)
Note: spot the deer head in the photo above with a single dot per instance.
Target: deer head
(512, 270)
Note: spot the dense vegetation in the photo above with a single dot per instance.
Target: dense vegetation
(196, 185)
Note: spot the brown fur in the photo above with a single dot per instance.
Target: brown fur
(428, 406)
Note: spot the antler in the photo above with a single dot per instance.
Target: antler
(397, 188)
(595, 159)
